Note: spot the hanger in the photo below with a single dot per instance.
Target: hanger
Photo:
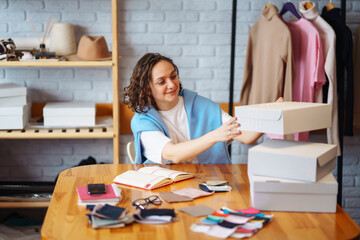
(308, 5)
(289, 6)
(329, 6)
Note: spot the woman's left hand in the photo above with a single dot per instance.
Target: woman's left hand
(227, 131)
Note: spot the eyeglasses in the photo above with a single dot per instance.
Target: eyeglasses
(143, 203)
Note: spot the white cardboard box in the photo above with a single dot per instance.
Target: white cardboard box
(274, 194)
(69, 114)
(304, 161)
(69, 121)
(15, 117)
(284, 117)
(12, 89)
(13, 101)
(69, 109)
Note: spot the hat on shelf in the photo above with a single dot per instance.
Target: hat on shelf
(62, 39)
(91, 48)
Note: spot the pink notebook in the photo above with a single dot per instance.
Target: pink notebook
(84, 195)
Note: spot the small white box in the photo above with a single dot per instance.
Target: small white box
(69, 109)
(13, 101)
(274, 194)
(75, 121)
(283, 117)
(12, 89)
(302, 161)
(15, 117)
(69, 114)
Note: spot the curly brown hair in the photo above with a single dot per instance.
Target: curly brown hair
(138, 95)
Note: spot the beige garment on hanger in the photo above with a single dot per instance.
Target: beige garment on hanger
(268, 71)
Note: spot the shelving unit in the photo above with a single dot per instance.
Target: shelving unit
(111, 132)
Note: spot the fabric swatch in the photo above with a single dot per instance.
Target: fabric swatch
(223, 188)
(237, 219)
(157, 211)
(215, 218)
(199, 228)
(241, 235)
(252, 226)
(109, 212)
(208, 221)
(216, 183)
(192, 192)
(197, 211)
(227, 224)
(220, 232)
(241, 230)
(171, 197)
(219, 214)
(250, 210)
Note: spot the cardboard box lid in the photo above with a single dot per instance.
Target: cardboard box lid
(11, 89)
(13, 110)
(272, 111)
(321, 151)
(325, 185)
(69, 108)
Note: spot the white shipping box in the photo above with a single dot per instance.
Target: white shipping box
(274, 194)
(69, 114)
(284, 117)
(304, 161)
(69, 121)
(13, 101)
(12, 89)
(69, 109)
(15, 117)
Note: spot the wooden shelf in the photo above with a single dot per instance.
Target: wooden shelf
(57, 64)
(56, 133)
(42, 204)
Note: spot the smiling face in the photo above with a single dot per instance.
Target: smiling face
(164, 85)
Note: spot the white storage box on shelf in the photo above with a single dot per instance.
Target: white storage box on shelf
(275, 194)
(304, 161)
(284, 117)
(12, 101)
(14, 117)
(12, 89)
(12, 94)
(69, 114)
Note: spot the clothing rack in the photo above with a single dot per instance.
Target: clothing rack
(340, 107)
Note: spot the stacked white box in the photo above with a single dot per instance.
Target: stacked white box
(14, 117)
(287, 175)
(12, 94)
(284, 117)
(69, 114)
(14, 109)
(277, 194)
(304, 161)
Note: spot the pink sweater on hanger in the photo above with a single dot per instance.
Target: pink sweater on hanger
(308, 62)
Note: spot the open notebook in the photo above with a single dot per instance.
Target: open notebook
(151, 177)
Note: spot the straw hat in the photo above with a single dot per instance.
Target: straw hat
(62, 39)
(91, 48)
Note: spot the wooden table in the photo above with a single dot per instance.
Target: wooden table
(66, 220)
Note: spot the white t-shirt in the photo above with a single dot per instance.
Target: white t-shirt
(177, 122)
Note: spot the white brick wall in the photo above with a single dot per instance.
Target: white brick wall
(195, 33)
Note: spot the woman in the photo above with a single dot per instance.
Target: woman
(175, 125)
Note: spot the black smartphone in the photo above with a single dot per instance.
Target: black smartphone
(96, 188)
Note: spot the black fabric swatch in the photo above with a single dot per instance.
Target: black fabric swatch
(158, 212)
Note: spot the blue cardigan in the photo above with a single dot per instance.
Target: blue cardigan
(204, 116)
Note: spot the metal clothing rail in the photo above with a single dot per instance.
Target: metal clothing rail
(341, 128)
(231, 95)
